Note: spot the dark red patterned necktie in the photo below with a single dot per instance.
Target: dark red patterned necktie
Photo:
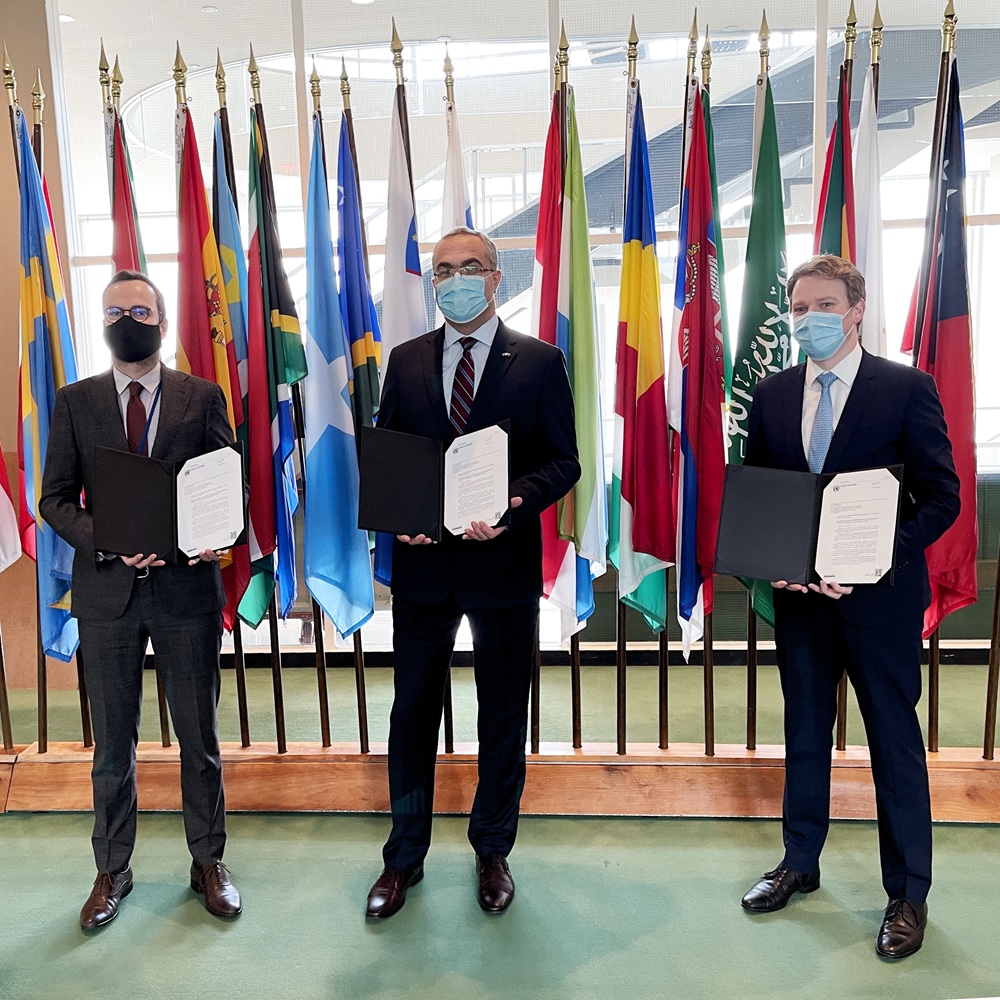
(135, 418)
(464, 386)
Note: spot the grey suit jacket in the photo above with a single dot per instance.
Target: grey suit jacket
(87, 414)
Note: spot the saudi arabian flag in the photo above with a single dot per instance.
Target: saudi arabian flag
(762, 341)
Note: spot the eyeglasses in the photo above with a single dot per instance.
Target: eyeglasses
(469, 270)
(139, 313)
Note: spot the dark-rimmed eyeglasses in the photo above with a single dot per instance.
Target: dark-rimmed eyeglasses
(139, 313)
(469, 270)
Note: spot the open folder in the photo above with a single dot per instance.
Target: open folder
(175, 509)
(778, 524)
(413, 485)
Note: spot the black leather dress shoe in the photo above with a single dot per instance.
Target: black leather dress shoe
(496, 887)
(102, 904)
(389, 891)
(776, 888)
(902, 930)
(222, 898)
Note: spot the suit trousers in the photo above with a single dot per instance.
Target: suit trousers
(815, 645)
(187, 653)
(504, 649)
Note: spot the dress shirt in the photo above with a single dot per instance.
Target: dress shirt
(149, 383)
(846, 372)
(452, 353)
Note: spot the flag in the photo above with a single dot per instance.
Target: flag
(946, 353)
(126, 242)
(641, 541)
(868, 214)
(358, 317)
(456, 209)
(47, 364)
(762, 341)
(10, 535)
(276, 360)
(835, 218)
(700, 457)
(574, 531)
(337, 567)
(235, 570)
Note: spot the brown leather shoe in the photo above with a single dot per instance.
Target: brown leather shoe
(902, 930)
(496, 887)
(776, 888)
(222, 898)
(105, 898)
(388, 893)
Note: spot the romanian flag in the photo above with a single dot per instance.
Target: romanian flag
(641, 543)
(945, 351)
(835, 219)
(699, 446)
(126, 247)
(276, 361)
(47, 363)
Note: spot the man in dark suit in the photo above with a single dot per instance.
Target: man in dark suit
(471, 373)
(844, 410)
(122, 602)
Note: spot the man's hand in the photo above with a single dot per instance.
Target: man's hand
(480, 531)
(209, 555)
(830, 589)
(416, 540)
(142, 562)
(785, 585)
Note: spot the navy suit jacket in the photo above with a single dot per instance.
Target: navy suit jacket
(892, 416)
(524, 381)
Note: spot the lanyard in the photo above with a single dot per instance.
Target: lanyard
(149, 418)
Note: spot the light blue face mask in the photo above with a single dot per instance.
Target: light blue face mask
(461, 298)
(819, 334)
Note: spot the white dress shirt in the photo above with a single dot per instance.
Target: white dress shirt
(452, 353)
(846, 372)
(149, 383)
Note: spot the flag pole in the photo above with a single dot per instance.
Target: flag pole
(227, 141)
(10, 85)
(345, 93)
(38, 107)
(876, 46)
(8, 738)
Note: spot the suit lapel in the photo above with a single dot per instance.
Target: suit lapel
(502, 355)
(854, 408)
(792, 419)
(175, 395)
(106, 407)
(431, 358)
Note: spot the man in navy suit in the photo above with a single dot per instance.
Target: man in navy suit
(843, 410)
(469, 374)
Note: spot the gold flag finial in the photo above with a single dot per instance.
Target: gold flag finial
(850, 34)
(180, 77)
(9, 83)
(220, 79)
(449, 77)
(116, 85)
(562, 59)
(765, 44)
(102, 68)
(692, 44)
(38, 98)
(254, 77)
(345, 84)
(396, 46)
(706, 61)
(876, 35)
(314, 87)
(948, 28)
(632, 52)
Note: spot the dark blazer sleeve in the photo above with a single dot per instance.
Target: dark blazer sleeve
(62, 481)
(559, 468)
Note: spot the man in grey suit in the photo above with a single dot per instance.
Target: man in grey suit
(124, 601)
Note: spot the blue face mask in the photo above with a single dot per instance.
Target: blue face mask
(461, 298)
(819, 334)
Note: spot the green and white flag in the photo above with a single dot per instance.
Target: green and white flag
(763, 342)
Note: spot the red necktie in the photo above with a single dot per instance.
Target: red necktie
(135, 418)
(464, 386)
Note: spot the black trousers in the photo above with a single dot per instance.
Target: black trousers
(423, 642)
(815, 645)
(187, 651)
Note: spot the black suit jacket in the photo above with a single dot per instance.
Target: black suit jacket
(524, 381)
(892, 416)
(87, 414)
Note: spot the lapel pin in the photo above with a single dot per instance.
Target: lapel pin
(506, 354)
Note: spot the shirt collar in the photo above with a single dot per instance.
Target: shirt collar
(846, 369)
(483, 334)
(149, 381)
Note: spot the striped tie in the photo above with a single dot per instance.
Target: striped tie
(464, 386)
(822, 432)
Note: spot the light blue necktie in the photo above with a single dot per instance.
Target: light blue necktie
(822, 432)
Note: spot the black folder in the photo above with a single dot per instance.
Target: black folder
(769, 523)
(402, 484)
(135, 505)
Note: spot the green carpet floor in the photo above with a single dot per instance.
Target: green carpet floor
(604, 909)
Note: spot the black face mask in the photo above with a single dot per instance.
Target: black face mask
(131, 340)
